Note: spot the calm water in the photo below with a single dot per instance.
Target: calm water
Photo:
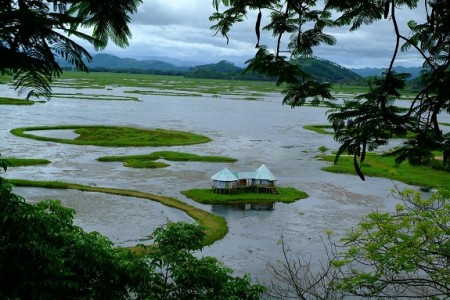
(254, 132)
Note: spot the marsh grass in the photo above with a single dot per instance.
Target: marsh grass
(164, 93)
(349, 89)
(112, 136)
(208, 196)
(165, 82)
(216, 226)
(148, 160)
(15, 101)
(322, 129)
(328, 129)
(23, 162)
(377, 165)
(96, 97)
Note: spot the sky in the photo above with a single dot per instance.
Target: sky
(180, 30)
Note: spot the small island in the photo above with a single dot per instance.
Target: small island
(208, 196)
(244, 188)
(115, 136)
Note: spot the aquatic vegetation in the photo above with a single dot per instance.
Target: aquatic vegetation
(148, 160)
(377, 165)
(15, 101)
(208, 196)
(116, 136)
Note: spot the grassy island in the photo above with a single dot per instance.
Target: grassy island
(14, 101)
(114, 136)
(377, 165)
(23, 162)
(207, 196)
(149, 160)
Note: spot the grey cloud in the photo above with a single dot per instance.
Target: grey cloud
(181, 29)
(181, 12)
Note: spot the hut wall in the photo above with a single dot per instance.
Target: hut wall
(263, 182)
(224, 184)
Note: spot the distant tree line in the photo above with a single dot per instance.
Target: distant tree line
(135, 71)
(321, 69)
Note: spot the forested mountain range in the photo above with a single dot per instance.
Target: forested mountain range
(111, 63)
(366, 72)
(322, 70)
(327, 71)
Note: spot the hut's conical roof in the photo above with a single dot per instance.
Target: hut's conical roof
(264, 173)
(224, 175)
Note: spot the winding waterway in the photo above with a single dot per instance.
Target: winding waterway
(254, 132)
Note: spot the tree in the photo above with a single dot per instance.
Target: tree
(44, 256)
(404, 254)
(184, 276)
(372, 119)
(33, 33)
(298, 278)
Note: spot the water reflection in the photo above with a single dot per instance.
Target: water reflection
(223, 208)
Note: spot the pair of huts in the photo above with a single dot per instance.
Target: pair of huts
(226, 181)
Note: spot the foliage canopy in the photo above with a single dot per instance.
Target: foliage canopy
(398, 255)
(32, 33)
(404, 254)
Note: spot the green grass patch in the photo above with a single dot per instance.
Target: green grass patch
(377, 165)
(322, 129)
(328, 129)
(14, 101)
(112, 136)
(363, 89)
(164, 93)
(96, 97)
(208, 196)
(323, 149)
(216, 226)
(349, 89)
(23, 162)
(191, 86)
(148, 160)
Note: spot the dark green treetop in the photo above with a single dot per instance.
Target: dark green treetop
(32, 33)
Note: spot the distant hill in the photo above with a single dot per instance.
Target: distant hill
(223, 66)
(223, 70)
(322, 70)
(114, 63)
(327, 71)
(366, 72)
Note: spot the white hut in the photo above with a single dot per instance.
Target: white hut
(224, 180)
(264, 178)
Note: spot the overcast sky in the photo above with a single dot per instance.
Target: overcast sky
(181, 30)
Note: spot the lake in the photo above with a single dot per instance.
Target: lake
(254, 132)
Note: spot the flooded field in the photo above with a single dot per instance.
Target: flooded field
(254, 132)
